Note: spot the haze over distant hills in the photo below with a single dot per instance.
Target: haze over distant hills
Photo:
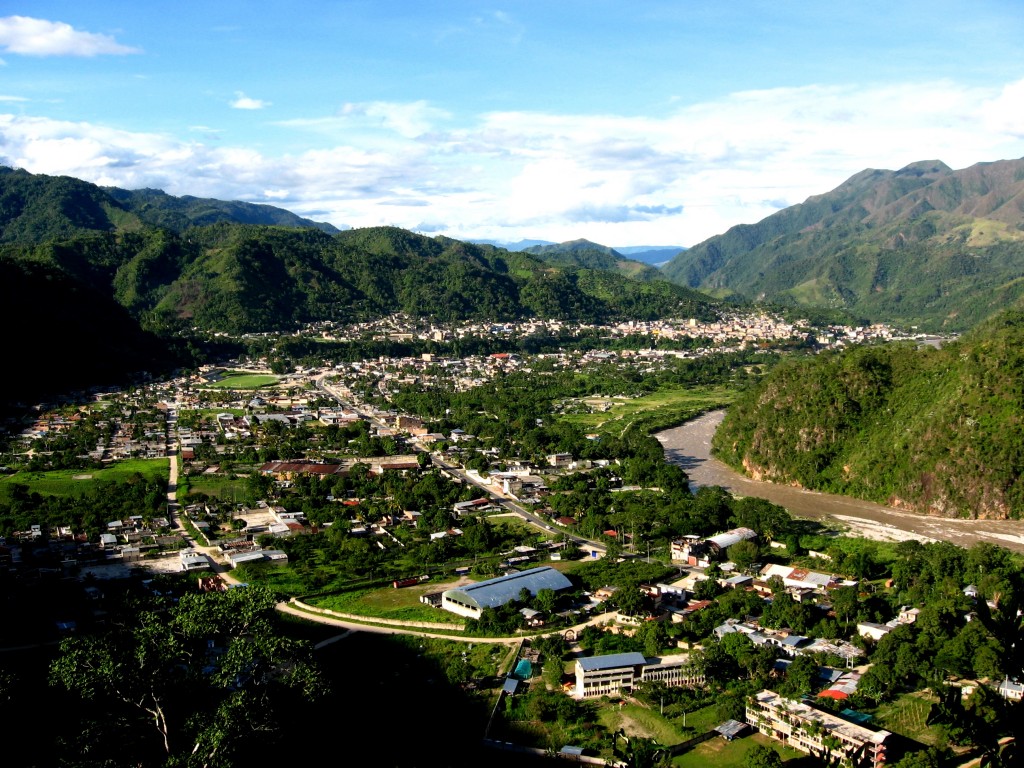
(583, 253)
(922, 245)
(655, 255)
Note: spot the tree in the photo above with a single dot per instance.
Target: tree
(629, 600)
(203, 674)
(761, 756)
(743, 554)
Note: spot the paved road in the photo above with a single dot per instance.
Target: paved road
(689, 446)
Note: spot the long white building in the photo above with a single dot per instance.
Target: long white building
(815, 731)
(616, 674)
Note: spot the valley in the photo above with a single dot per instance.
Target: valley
(689, 446)
(385, 434)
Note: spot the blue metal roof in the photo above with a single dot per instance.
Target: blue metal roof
(611, 661)
(496, 592)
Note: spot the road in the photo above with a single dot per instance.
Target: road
(689, 446)
(460, 474)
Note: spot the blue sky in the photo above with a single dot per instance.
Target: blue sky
(642, 123)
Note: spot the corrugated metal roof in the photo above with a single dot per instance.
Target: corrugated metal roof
(496, 592)
(611, 661)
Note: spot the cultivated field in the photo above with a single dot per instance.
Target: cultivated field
(614, 415)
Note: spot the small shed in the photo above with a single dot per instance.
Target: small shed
(731, 729)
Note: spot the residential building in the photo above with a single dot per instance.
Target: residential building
(816, 732)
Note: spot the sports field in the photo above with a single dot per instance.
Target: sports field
(74, 482)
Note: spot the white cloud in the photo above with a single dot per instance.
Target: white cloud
(4, 97)
(38, 37)
(674, 179)
(241, 101)
(408, 120)
(1005, 113)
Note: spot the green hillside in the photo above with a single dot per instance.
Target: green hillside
(935, 431)
(35, 208)
(924, 245)
(588, 255)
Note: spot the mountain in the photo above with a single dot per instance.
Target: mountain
(237, 277)
(933, 431)
(36, 208)
(158, 208)
(63, 335)
(583, 253)
(518, 245)
(923, 245)
(655, 255)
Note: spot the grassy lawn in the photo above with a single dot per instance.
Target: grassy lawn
(676, 404)
(732, 754)
(389, 603)
(220, 486)
(74, 482)
(640, 721)
(907, 716)
(244, 381)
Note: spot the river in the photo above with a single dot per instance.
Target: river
(689, 446)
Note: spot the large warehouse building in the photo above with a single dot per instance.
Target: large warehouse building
(471, 600)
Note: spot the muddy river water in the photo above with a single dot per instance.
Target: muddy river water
(689, 446)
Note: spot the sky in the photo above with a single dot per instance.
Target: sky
(660, 122)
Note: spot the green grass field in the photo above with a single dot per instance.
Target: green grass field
(389, 603)
(74, 482)
(667, 405)
(640, 721)
(244, 381)
(219, 486)
(732, 754)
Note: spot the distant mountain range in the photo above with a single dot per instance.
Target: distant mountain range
(923, 245)
(655, 255)
(144, 263)
(36, 208)
(583, 253)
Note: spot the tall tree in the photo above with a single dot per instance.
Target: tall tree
(203, 674)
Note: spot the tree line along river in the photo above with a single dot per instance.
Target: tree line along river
(689, 446)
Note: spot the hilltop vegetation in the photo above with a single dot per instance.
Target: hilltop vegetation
(937, 431)
(583, 253)
(924, 245)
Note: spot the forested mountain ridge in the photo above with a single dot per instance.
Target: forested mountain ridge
(35, 208)
(923, 245)
(583, 253)
(934, 431)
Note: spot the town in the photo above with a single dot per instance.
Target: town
(555, 524)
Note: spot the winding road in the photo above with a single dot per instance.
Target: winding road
(689, 446)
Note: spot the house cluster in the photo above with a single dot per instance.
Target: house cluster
(790, 643)
(700, 553)
(134, 429)
(39, 553)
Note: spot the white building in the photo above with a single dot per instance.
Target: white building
(816, 732)
(616, 674)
